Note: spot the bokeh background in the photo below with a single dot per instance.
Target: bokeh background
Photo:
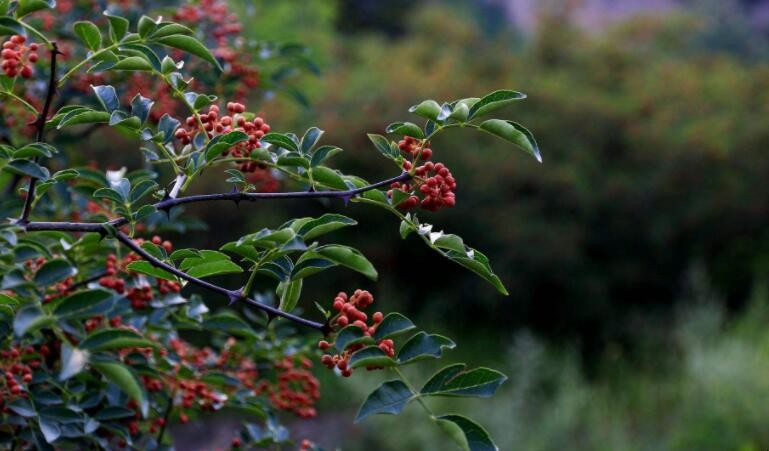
(636, 256)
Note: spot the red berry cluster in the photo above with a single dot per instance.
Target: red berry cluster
(139, 296)
(217, 16)
(19, 365)
(349, 313)
(297, 389)
(58, 290)
(17, 57)
(195, 393)
(214, 19)
(433, 180)
(215, 124)
(413, 146)
(306, 445)
(34, 264)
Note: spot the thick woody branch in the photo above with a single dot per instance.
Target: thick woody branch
(40, 135)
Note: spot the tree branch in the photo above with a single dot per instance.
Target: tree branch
(169, 203)
(232, 295)
(40, 124)
(239, 196)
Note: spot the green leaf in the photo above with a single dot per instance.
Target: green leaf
(111, 413)
(54, 271)
(141, 189)
(120, 375)
(106, 339)
(351, 335)
(393, 324)
(140, 107)
(405, 229)
(405, 129)
(422, 346)
(118, 26)
(168, 125)
(84, 304)
(469, 435)
(189, 45)
(50, 429)
(454, 380)
(144, 267)
(230, 323)
(22, 407)
(168, 65)
(310, 138)
(168, 29)
(25, 7)
(371, 356)
(132, 63)
(221, 143)
(209, 263)
(107, 97)
(329, 177)
(307, 267)
(109, 193)
(323, 153)
(460, 112)
(295, 159)
(145, 26)
(322, 225)
(478, 263)
(382, 144)
(28, 168)
(10, 26)
(280, 140)
(289, 293)
(514, 133)
(84, 116)
(349, 257)
(29, 319)
(495, 101)
(35, 150)
(428, 108)
(389, 398)
(73, 360)
(89, 34)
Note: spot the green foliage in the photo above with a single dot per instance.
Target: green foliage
(101, 347)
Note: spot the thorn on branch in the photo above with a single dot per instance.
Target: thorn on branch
(235, 296)
(167, 211)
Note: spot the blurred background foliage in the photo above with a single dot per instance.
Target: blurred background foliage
(635, 255)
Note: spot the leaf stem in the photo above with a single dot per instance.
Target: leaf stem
(77, 66)
(20, 100)
(413, 390)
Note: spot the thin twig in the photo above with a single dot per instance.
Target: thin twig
(166, 416)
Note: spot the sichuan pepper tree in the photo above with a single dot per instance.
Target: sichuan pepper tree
(94, 314)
